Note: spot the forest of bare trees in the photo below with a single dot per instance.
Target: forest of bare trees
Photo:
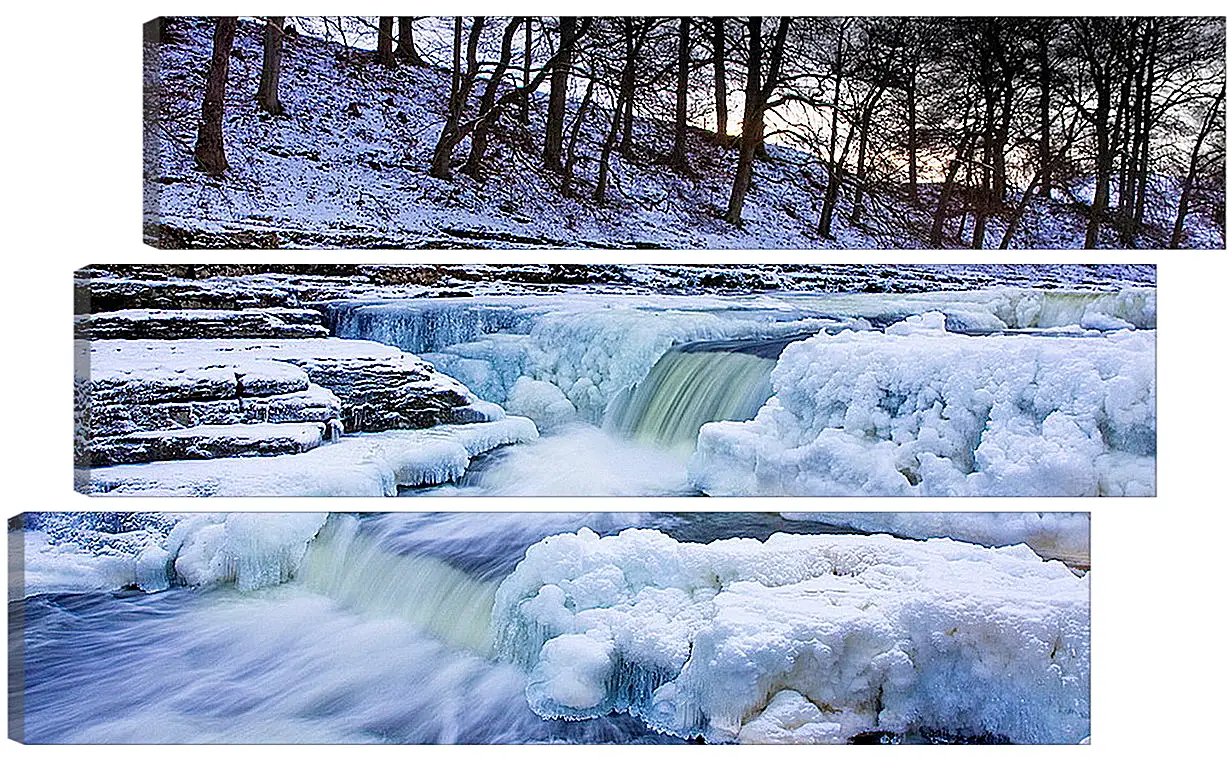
(961, 119)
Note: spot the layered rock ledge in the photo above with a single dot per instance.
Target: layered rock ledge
(156, 400)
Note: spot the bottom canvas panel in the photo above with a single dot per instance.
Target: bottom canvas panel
(743, 627)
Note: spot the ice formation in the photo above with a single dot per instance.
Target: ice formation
(250, 550)
(87, 552)
(1064, 535)
(800, 638)
(94, 551)
(920, 410)
(592, 348)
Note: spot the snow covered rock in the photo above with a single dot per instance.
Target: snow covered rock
(800, 638)
(201, 324)
(365, 464)
(918, 410)
(208, 441)
(132, 394)
(102, 293)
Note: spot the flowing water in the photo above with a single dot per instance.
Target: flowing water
(383, 636)
(693, 384)
(648, 432)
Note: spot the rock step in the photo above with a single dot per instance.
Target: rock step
(109, 294)
(277, 323)
(126, 387)
(212, 441)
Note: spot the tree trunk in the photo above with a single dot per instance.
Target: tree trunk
(487, 112)
(557, 109)
(1104, 167)
(528, 67)
(945, 194)
(627, 137)
(723, 113)
(612, 133)
(678, 156)
(210, 153)
(1188, 186)
(271, 69)
(384, 42)
(574, 138)
(1046, 78)
(406, 51)
(864, 130)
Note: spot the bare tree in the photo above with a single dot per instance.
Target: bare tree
(486, 106)
(1209, 121)
(462, 84)
(759, 90)
(210, 153)
(271, 68)
(384, 42)
(406, 51)
(678, 155)
(557, 107)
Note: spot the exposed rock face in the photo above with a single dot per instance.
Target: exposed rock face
(94, 294)
(208, 442)
(278, 323)
(202, 324)
(201, 398)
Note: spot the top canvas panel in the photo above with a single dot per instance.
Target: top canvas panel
(684, 133)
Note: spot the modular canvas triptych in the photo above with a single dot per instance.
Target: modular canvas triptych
(463, 586)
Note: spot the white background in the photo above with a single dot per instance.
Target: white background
(71, 178)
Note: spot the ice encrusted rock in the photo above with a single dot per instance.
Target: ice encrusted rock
(279, 323)
(540, 401)
(73, 552)
(800, 638)
(130, 394)
(918, 410)
(250, 550)
(366, 464)
(91, 551)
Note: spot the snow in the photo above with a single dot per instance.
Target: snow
(800, 638)
(1063, 535)
(364, 464)
(922, 411)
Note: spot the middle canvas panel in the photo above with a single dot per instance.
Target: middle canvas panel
(604, 379)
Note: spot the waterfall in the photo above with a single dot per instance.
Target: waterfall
(424, 591)
(693, 384)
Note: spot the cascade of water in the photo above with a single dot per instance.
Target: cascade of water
(421, 590)
(693, 384)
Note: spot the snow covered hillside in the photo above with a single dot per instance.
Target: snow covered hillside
(346, 166)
